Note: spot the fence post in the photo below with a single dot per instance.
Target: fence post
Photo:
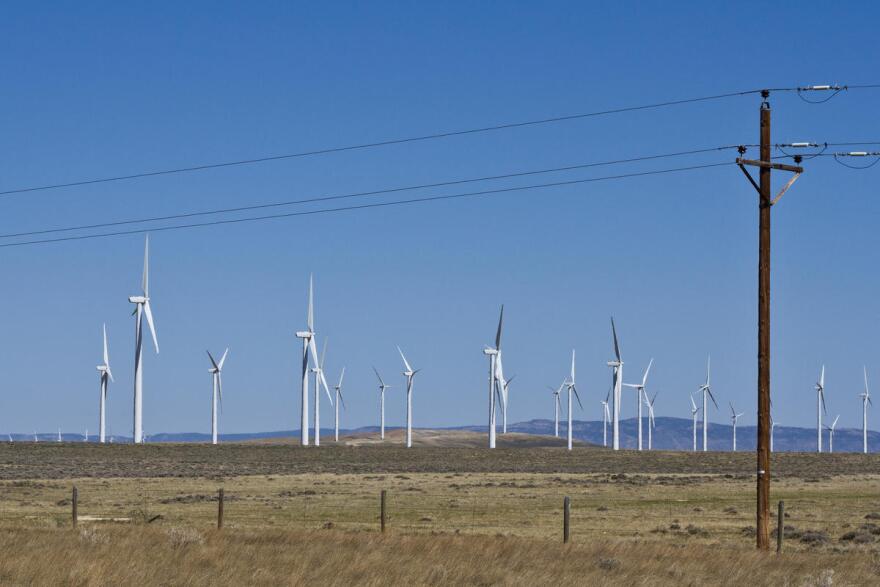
(220, 509)
(780, 526)
(566, 520)
(382, 510)
(73, 504)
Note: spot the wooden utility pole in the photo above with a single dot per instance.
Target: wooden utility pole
(566, 520)
(765, 202)
(220, 499)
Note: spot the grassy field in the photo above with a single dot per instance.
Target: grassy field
(504, 502)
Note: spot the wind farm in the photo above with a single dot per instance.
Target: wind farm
(448, 294)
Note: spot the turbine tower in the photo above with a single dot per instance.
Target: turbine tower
(495, 386)
(706, 390)
(339, 400)
(382, 388)
(617, 380)
(641, 396)
(694, 411)
(866, 399)
(216, 371)
(651, 424)
(572, 390)
(410, 374)
(142, 309)
(820, 407)
(734, 417)
(106, 377)
(606, 416)
(831, 434)
(318, 370)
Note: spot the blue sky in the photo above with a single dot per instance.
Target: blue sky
(108, 88)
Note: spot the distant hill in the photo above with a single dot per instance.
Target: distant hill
(669, 434)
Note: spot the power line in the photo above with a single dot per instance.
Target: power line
(366, 193)
(370, 205)
(439, 135)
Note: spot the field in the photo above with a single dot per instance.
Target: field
(459, 515)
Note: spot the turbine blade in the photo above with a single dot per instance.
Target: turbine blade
(822, 378)
(708, 368)
(498, 334)
(323, 353)
(693, 404)
(311, 314)
(382, 383)
(213, 362)
(341, 375)
(106, 354)
(408, 368)
(313, 351)
(648, 370)
(220, 390)
(145, 280)
(223, 359)
(572, 366)
(342, 400)
(326, 389)
(110, 374)
(149, 314)
(577, 396)
(822, 395)
(712, 396)
(616, 345)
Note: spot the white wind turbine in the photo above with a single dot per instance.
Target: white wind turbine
(820, 407)
(382, 388)
(410, 374)
(496, 384)
(651, 424)
(733, 418)
(617, 381)
(557, 406)
(339, 400)
(216, 371)
(606, 416)
(307, 337)
(866, 399)
(318, 370)
(59, 434)
(572, 390)
(694, 411)
(706, 390)
(106, 376)
(641, 396)
(142, 309)
(831, 434)
(772, 431)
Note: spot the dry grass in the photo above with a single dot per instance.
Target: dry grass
(178, 556)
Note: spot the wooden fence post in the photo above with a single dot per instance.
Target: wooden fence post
(220, 509)
(382, 499)
(780, 526)
(73, 505)
(566, 520)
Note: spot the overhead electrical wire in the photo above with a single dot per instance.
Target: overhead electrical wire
(418, 138)
(367, 193)
(369, 205)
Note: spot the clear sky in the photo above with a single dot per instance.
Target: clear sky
(98, 89)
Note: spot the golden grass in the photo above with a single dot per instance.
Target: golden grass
(146, 555)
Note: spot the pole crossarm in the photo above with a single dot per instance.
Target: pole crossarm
(797, 170)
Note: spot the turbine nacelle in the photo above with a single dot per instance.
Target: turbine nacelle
(305, 334)
(138, 299)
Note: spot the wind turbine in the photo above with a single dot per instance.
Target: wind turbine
(820, 407)
(382, 388)
(640, 397)
(86, 436)
(706, 390)
(318, 370)
(142, 309)
(59, 434)
(866, 399)
(495, 385)
(410, 375)
(831, 434)
(307, 337)
(339, 400)
(606, 415)
(694, 411)
(651, 424)
(36, 438)
(617, 380)
(734, 417)
(106, 375)
(772, 430)
(557, 406)
(572, 390)
(216, 371)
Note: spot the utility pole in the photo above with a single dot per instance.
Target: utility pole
(765, 202)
